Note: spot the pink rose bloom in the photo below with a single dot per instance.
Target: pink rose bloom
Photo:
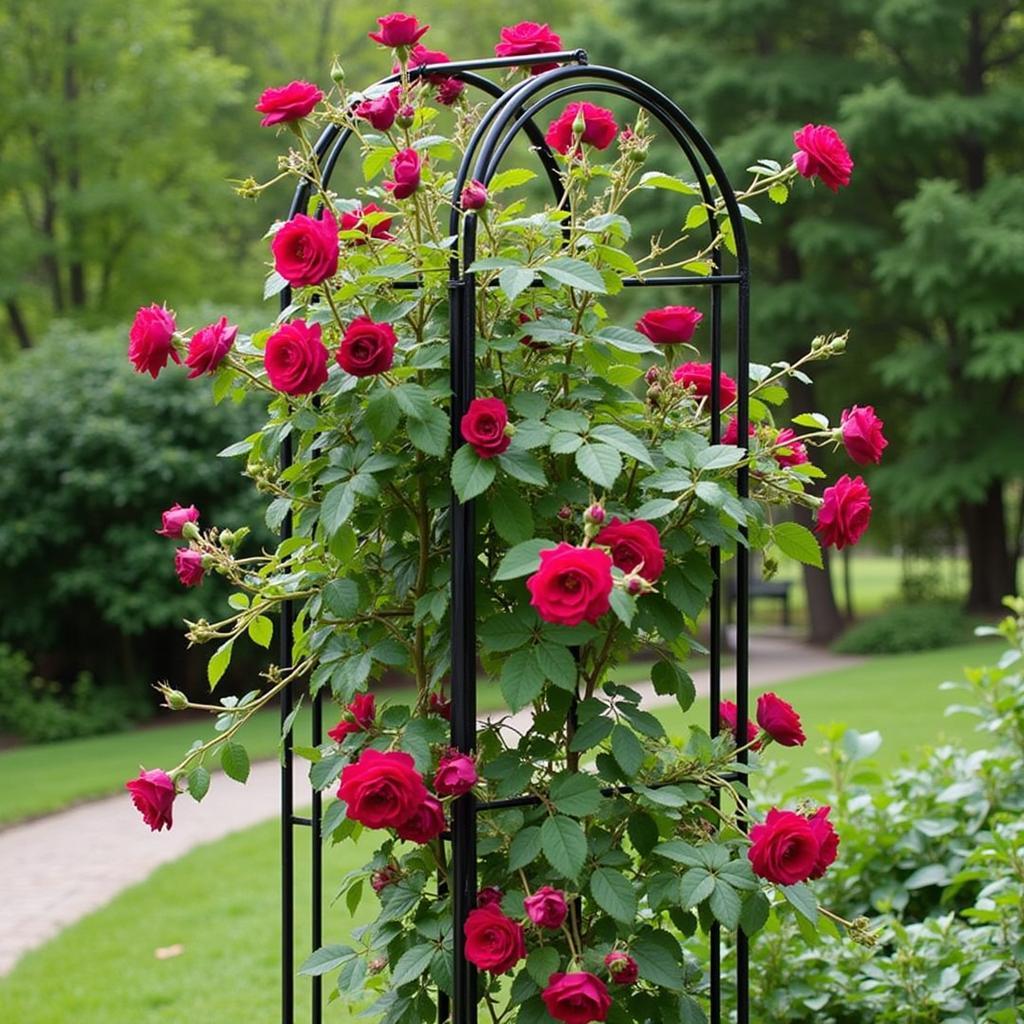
(483, 427)
(188, 564)
(698, 377)
(784, 848)
(728, 719)
(577, 998)
(361, 714)
(494, 942)
(845, 512)
(456, 774)
(151, 339)
(779, 720)
(306, 250)
(670, 325)
(296, 358)
(527, 38)
(546, 908)
(420, 56)
(792, 453)
(209, 346)
(489, 895)
(572, 585)
(862, 434)
(380, 112)
(821, 153)
(153, 794)
(449, 91)
(635, 545)
(406, 168)
(599, 128)
(474, 196)
(828, 840)
(398, 30)
(731, 434)
(622, 967)
(355, 220)
(290, 102)
(175, 518)
(426, 823)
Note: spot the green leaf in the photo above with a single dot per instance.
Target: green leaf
(261, 631)
(523, 559)
(725, 904)
(429, 433)
(656, 508)
(698, 215)
(234, 759)
(574, 273)
(326, 959)
(326, 770)
(656, 179)
(754, 915)
(576, 794)
(198, 783)
(670, 679)
(525, 848)
(511, 514)
(515, 280)
(614, 894)
(803, 900)
(521, 679)
(600, 463)
(504, 632)
(510, 179)
(627, 750)
(657, 955)
(695, 887)
(471, 475)
(412, 964)
(341, 598)
(590, 733)
(522, 466)
(564, 845)
(413, 400)
(218, 663)
(719, 456)
(623, 604)
(382, 414)
(273, 285)
(557, 664)
(778, 193)
(798, 542)
(542, 963)
(338, 504)
(627, 443)
(679, 851)
(626, 339)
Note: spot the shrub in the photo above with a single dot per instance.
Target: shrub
(921, 627)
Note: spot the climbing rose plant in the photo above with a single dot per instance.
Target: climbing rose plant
(599, 495)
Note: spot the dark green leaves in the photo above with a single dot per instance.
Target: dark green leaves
(657, 955)
(599, 462)
(341, 598)
(574, 273)
(564, 845)
(626, 750)
(521, 679)
(412, 963)
(198, 782)
(575, 794)
(471, 475)
(234, 759)
(614, 894)
(523, 559)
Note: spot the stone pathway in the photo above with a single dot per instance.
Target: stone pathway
(57, 869)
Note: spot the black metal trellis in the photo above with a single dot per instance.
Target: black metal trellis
(514, 111)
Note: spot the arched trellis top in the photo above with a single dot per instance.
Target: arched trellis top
(515, 111)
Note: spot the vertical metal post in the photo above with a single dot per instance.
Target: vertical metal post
(287, 808)
(317, 867)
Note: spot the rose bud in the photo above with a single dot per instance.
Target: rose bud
(188, 564)
(174, 519)
(405, 167)
(489, 895)
(456, 774)
(595, 514)
(861, 433)
(779, 720)
(546, 908)
(153, 794)
(151, 339)
(384, 877)
(406, 116)
(398, 30)
(622, 967)
(474, 196)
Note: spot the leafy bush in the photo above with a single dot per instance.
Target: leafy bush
(922, 627)
(39, 711)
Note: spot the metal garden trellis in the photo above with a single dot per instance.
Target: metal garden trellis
(513, 111)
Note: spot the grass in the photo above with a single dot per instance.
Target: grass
(104, 968)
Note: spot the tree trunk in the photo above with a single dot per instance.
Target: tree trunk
(992, 567)
(18, 325)
(824, 617)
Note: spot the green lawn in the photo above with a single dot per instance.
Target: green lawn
(105, 969)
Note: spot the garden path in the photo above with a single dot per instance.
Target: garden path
(57, 869)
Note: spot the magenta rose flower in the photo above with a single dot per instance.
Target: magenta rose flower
(572, 585)
(784, 848)
(456, 774)
(290, 102)
(380, 112)
(398, 30)
(845, 512)
(576, 998)
(474, 196)
(787, 451)
(382, 790)
(828, 840)
(599, 128)
(622, 967)
(439, 705)
(425, 823)
(367, 348)
(670, 325)
(208, 347)
(188, 564)
(862, 434)
(779, 720)
(449, 90)
(383, 877)
(306, 250)
(728, 721)
(489, 895)
(355, 220)
(296, 358)
(153, 794)
(527, 38)
(483, 427)
(405, 169)
(731, 434)
(151, 339)
(546, 908)
(360, 716)
(821, 153)
(635, 546)
(494, 942)
(698, 377)
(174, 518)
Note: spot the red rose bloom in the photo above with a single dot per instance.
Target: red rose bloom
(361, 714)
(634, 546)
(576, 998)
(295, 358)
(787, 451)
(398, 30)
(528, 38)
(728, 720)
(382, 790)
(862, 434)
(599, 128)
(572, 584)
(828, 841)
(474, 196)
(426, 822)
(489, 895)
(306, 250)
(622, 967)
(698, 377)
(784, 848)
(449, 90)
(355, 220)
(290, 102)
(188, 564)
(175, 518)
(406, 167)
(151, 339)
(821, 153)
(367, 348)
(779, 720)
(439, 705)
(209, 345)
(153, 794)
(732, 431)
(494, 942)
(845, 512)
(546, 908)
(483, 427)
(670, 325)
(380, 112)
(456, 774)
(384, 877)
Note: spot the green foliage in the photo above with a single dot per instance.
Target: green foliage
(906, 627)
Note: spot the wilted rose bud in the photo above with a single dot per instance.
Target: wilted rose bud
(406, 116)
(652, 375)
(377, 965)
(381, 879)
